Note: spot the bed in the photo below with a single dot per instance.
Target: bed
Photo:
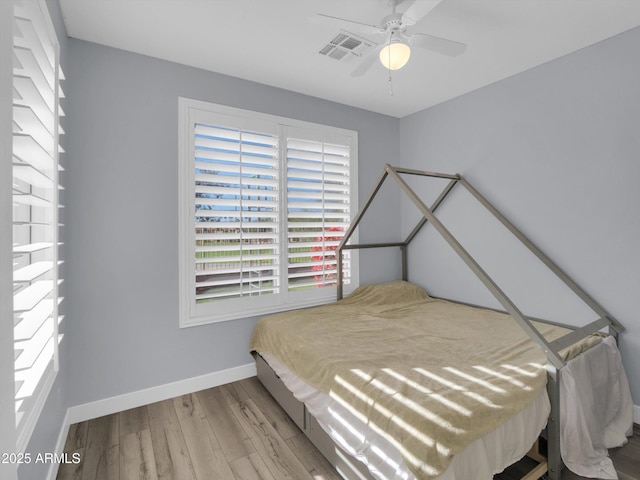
(406, 383)
(415, 387)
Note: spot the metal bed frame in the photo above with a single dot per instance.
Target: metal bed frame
(555, 362)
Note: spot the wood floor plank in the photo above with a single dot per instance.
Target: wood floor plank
(276, 454)
(208, 459)
(311, 458)
(170, 450)
(251, 467)
(627, 458)
(133, 420)
(70, 470)
(76, 437)
(233, 393)
(171, 453)
(162, 412)
(278, 418)
(188, 406)
(137, 459)
(232, 438)
(100, 460)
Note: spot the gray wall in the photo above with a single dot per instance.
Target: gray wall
(49, 426)
(557, 150)
(123, 216)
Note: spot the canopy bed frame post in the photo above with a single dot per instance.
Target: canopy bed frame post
(405, 268)
(554, 458)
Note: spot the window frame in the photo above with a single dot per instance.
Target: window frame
(7, 391)
(190, 111)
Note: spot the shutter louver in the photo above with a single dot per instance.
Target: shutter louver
(236, 213)
(318, 211)
(35, 213)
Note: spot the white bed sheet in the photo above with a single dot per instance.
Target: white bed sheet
(584, 442)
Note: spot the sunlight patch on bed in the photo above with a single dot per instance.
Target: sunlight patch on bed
(422, 389)
(390, 415)
(385, 458)
(454, 386)
(473, 379)
(406, 454)
(347, 425)
(407, 427)
(340, 440)
(349, 463)
(397, 396)
(410, 457)
(513, 381)
(524, 372)
(439, 379)
(344, 403)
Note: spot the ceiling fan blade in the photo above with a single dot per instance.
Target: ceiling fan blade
(441, 45)
(328, 20)
(418, 9)
(366, 64)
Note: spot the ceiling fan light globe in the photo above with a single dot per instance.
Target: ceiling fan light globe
(395, 55)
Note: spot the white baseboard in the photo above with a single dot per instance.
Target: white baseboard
(107, 406)
(62, 439)
(636, 414)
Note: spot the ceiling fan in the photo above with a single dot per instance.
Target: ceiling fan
(395, 52)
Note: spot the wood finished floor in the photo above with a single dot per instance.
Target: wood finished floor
(232, 432)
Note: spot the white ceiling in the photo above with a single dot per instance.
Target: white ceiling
(274, 43)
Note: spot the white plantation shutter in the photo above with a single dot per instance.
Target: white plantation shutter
(264, 204)
(318, 210)
(36, 110)
(236, 213)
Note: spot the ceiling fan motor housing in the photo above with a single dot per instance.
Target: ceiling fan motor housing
(393, 23)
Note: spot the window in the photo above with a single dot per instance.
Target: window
(35, 149)
(264, 202)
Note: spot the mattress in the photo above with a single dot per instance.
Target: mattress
(426, 389)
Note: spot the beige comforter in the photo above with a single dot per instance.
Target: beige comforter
(429, 375)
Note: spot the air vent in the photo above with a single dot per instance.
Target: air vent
(345, 46)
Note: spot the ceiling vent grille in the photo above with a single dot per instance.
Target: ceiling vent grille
(345, 46)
